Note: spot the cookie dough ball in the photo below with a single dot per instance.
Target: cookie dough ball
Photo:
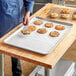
(42, 30)
(74, 16)
(54, 33)
(53, 15)
(49, 25)
(32, 28)
(60, 27)
(66, 11)
(38, 22)
(64, 16)
(25, 31)
(74, 12)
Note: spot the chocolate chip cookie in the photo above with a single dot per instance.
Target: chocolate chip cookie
(54, 33)
(32, 28)
(25, 31)
(38, 22)
(42, 30)
(60, 27)
(49, 25)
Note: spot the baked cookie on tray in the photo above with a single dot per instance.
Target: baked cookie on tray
(54, 33)
(49, 25)
(66, 11)
(53, 15)
(74, 12)
(74, 16)
(42, 30)
(64, 16)
(38, 22)
(60, 27)
(25, 31)
(32, 28)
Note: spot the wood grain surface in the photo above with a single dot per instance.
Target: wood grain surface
(52, 58)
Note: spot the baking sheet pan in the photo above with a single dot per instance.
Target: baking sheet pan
(35, 42)
(58, 11)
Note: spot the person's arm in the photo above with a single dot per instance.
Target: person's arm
(29, 9)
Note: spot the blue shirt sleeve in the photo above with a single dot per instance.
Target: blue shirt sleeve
(29, 5)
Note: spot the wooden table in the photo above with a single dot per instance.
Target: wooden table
(52, 58)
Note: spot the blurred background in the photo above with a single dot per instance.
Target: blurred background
(40, 3)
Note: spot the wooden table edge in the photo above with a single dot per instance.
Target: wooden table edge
(49, 66)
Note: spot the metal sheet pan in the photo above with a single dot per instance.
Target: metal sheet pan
(35, 42)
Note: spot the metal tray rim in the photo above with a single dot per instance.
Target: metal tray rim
(5, 41)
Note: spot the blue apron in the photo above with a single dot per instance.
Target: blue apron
(10, 15)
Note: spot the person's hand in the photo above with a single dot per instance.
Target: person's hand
(27, 18)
